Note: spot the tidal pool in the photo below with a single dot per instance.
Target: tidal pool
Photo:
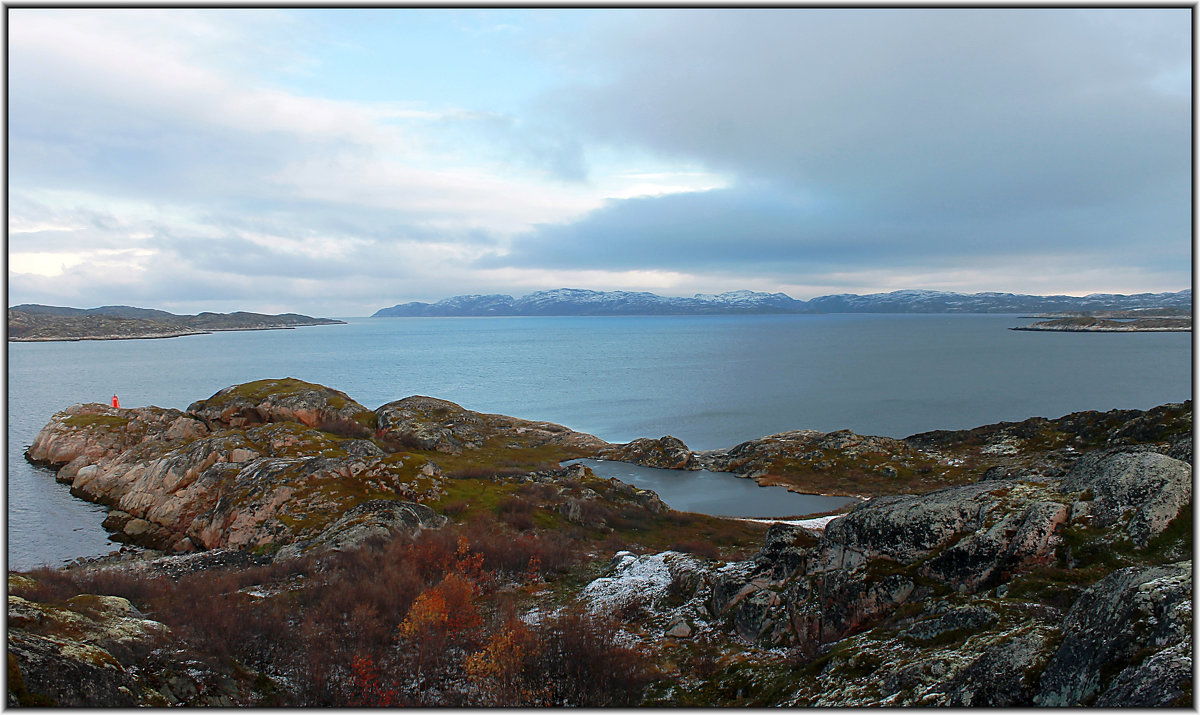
(716, 493)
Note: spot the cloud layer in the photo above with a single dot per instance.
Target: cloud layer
(189, 160)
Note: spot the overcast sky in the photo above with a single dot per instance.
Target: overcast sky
(333, 162)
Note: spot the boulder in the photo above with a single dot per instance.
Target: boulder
(100, 651)
(905, 529)
(1140, 492)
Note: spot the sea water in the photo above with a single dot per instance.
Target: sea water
(712, 381)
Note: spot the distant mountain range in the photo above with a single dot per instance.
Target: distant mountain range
(572, 301)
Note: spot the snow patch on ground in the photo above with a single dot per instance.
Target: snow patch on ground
(635, 578)
(815, 524)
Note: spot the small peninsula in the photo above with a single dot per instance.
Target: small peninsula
(43, 323)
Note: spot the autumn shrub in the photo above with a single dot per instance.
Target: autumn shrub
(473, 471)
(404, 621)
(516, 512)
(580, 663)
(456, 508)
(511, 554)
(541, 492)
(590, 512)
(631, 518)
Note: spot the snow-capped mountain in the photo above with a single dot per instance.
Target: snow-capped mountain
(575, 301)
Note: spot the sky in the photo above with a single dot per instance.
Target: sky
(336, 161)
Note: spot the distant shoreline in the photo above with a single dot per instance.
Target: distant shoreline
(1032, 329)
(35, 323)
(161, 336)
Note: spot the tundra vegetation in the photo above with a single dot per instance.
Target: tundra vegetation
(296, 548)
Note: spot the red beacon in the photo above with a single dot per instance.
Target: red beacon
(116, 402)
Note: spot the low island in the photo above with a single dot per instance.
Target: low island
(298, 548)
(41, 323)
(1142, 320)
(1106, 325)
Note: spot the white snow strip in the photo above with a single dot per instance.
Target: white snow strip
(815, 524)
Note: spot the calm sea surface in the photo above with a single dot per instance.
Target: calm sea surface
(711, 381)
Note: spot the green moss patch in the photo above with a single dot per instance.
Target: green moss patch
(106, 421)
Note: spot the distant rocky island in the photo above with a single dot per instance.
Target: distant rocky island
(571, 301)
(1143, 320)
(1104, 325)
(311, 551)
(35, 323)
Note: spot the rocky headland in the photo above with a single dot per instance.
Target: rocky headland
(40, 323)
(1039, 563)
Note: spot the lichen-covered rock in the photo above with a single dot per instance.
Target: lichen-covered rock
(285, 400)
(785, 551)
(176, 485)
(375, 519)
(1016, 540)
(83, 435)
(663, 453)
(1161, 680)
(428, 423)
(1113, 629)
(1004, 675)
(1142, 491)
(905, 529)
(61, 673)
(100, 651)
(759, 454)
(78, 653)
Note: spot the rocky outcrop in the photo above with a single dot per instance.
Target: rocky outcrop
(269, 485)
(846, 463)
(663, 453)
(375, 519)
(810, 445)
(286, 400)
(428, 423)
(969, 596)
(277, 462)
(1141, 492)
(1137, 624)
(84, 435)
(100, 651)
